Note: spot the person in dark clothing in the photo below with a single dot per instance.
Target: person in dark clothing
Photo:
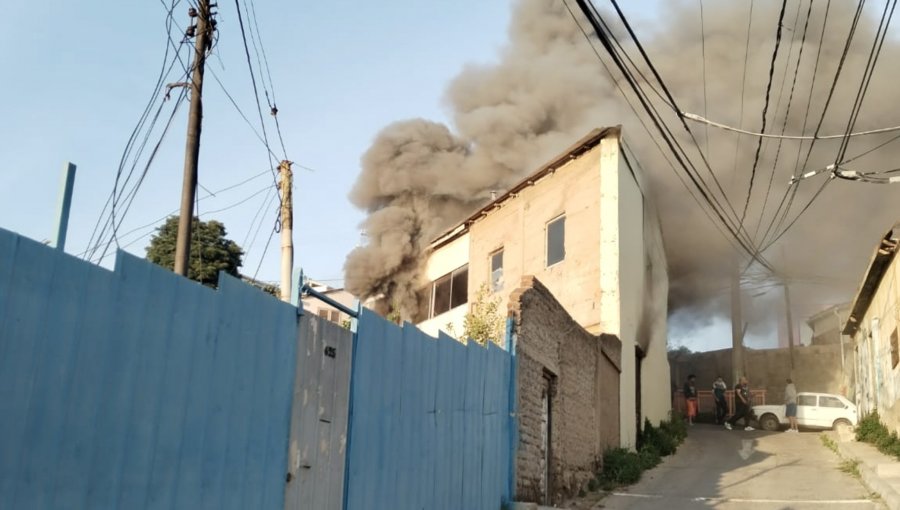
(742, 408)
(690, 398)
(719, 389)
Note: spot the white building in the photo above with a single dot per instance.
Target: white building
(583, 226)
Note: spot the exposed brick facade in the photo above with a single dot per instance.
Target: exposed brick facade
(580, 373)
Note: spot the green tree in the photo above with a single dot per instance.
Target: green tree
(483, 323)
(211, 251)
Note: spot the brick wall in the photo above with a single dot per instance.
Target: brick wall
(580, 373)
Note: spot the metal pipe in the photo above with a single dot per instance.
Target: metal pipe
(306, 290)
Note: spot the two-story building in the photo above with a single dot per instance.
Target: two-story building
(584, 226)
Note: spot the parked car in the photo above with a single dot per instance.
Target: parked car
(814, 410)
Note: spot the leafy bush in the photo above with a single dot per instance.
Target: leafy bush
(872, 431)
(659, 439)
(676, 428)
(649, 457)
(622, 467)
(870, 428)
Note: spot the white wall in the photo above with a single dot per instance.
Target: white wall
(446, 259)
(634, 288)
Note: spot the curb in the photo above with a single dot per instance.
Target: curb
(873, 482)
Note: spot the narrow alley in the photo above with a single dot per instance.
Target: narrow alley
(722, 470)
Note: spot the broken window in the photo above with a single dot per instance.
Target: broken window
(497, 270)
(556, 241)
(449, 291)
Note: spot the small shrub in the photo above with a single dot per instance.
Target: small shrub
(593, 484)
(621, 467)
(676, 428)
(870, 429)
(649, 456)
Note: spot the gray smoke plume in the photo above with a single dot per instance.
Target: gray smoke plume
(549, 89)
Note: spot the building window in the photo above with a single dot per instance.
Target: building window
(323, 313)
(556, 241)
(335, 316)
(449, 291)
(895, 354)
(497, 270)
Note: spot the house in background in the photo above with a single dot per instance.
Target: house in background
(324, 310)
(583, 226)
(873, 325)
(826, 325)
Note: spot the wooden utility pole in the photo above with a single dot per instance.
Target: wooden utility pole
(203, 32)
(287, 230)
(790, 322)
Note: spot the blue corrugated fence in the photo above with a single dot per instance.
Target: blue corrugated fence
(430, 424)
(138, 388)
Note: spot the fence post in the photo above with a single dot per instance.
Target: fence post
(513, 411)
(354, 327)
(65, 203)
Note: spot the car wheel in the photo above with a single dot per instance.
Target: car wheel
(842, 426)
(769, 422)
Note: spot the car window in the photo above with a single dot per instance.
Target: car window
(830, 402)
(806, 400)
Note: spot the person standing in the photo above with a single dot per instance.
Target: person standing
(741, 405)
(790, 405)
(719, 389)
(690, 398)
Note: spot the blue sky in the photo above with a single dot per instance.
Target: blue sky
(79, 75)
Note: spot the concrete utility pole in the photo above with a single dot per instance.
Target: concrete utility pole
(790, 322)
(203, 31)
(287, 230)
(737, 333)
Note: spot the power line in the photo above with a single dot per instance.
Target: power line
(606, 37)
(255, 88)
(640, 119)
(703, 51)
(765, 108)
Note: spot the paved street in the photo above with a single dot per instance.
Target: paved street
(728, 470)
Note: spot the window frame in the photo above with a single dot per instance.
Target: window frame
(496, 283)
(547, 227)
(449, 277)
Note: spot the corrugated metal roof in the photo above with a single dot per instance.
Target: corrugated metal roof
(881, 260)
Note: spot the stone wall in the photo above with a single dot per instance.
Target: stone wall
(578, 373)
(816, 368)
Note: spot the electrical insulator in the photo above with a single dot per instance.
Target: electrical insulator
(192, 12)
(191, 31)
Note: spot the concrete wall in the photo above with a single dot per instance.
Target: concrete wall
(816, 368)
(879, 380)
(519, 228)
(634, 295)
(580, 373)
